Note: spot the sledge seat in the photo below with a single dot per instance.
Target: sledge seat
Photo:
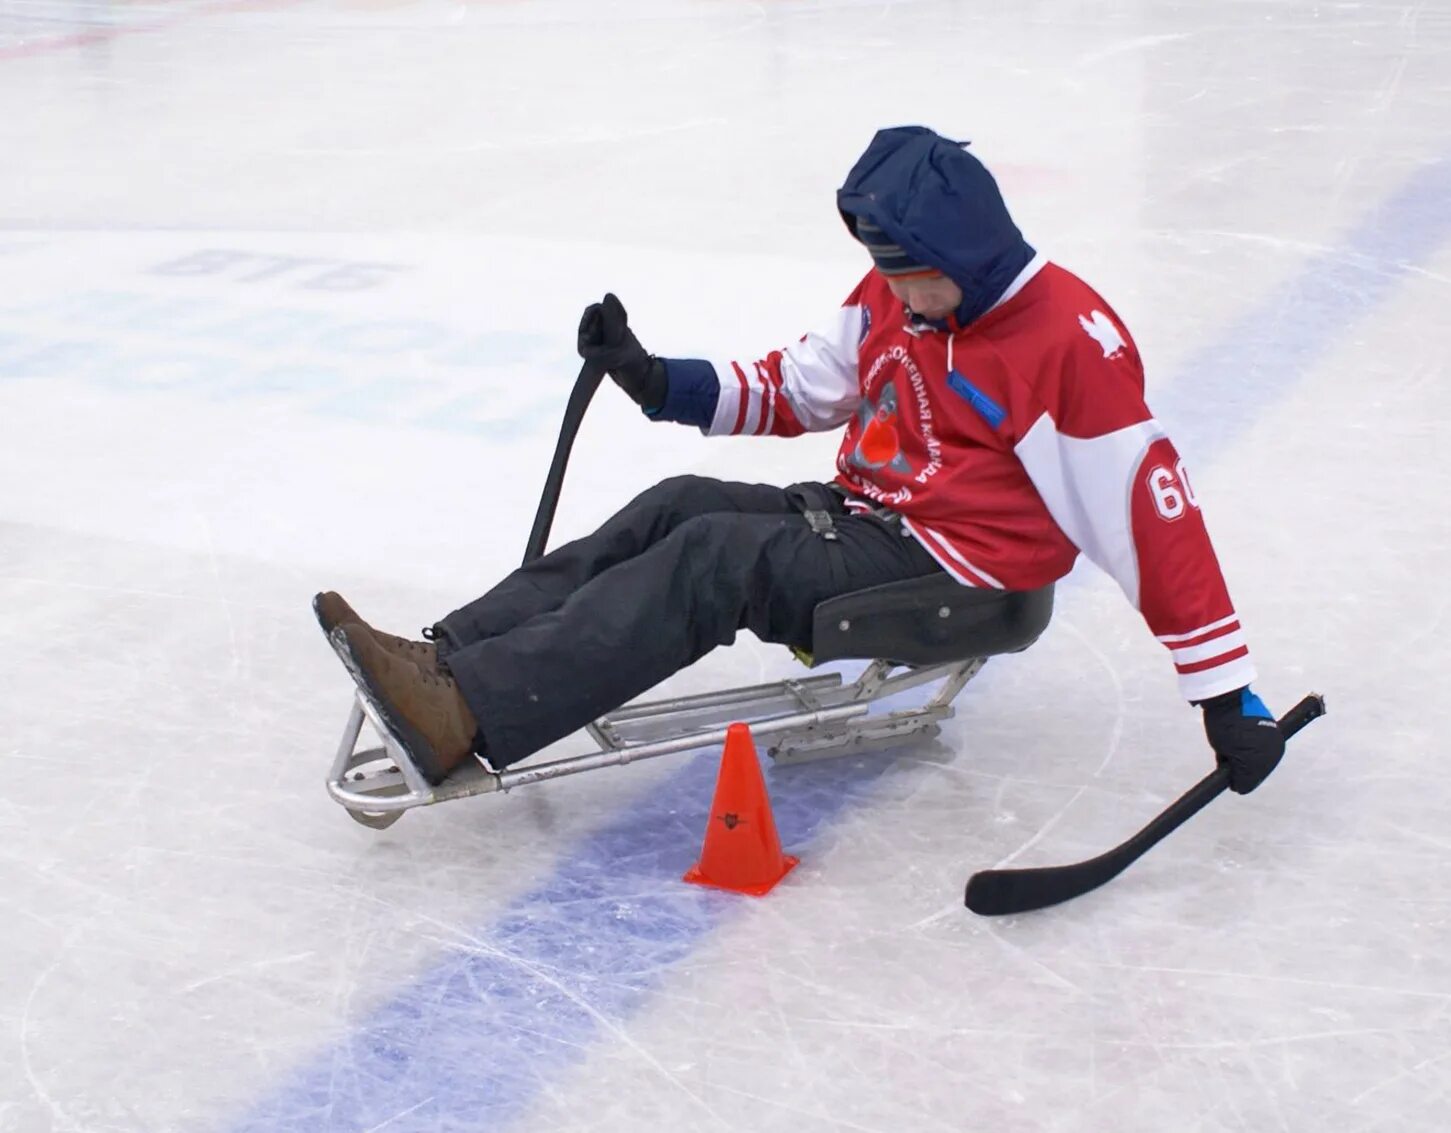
(931, 620)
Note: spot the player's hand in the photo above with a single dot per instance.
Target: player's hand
(1244, 736)
(605, 338)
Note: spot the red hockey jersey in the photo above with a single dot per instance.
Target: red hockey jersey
(1008, 446)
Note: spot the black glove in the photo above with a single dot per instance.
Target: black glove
(606, 339)
(1244, 736)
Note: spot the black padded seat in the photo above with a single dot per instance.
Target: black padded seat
(929, 621)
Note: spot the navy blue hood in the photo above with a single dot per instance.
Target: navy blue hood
(938, 202)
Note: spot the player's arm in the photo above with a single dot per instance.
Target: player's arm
(1113, 481)
(807, 387)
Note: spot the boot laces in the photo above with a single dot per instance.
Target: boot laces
(438, 679)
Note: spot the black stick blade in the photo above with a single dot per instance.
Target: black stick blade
(1002, 892)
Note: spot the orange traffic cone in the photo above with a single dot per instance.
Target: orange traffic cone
(742, 850)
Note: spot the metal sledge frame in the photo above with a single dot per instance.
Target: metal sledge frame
(800, 720)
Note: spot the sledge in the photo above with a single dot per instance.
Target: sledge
(930, 631)
(924, 631)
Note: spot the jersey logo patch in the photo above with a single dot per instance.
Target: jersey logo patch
(1100, 328)
(880, 444)
(988, 409)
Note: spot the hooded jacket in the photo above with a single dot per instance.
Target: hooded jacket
(1010, 437)
(938, 203)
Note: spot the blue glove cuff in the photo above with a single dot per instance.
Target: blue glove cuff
(1252, 705)
(691, 392)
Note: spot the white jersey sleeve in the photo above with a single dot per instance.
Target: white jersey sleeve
(808, 387)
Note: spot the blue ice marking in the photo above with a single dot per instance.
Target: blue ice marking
(506, 1013)
(1271, 346)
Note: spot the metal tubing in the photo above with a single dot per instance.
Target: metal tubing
(417, 784)
(349, 742)
(579, 763)
(955, 683)
(911, 678)
(723, 699)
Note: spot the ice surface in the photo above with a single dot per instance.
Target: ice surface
(287, 299)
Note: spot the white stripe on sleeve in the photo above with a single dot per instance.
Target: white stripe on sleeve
(1086, 484)
(1219, 679)
(1211, 648)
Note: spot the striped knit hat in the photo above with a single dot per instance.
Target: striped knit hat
(889, 257)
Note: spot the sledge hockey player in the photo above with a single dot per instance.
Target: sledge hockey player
(994, 428)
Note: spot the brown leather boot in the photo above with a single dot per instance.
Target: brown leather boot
(332, 612)
(426, 711)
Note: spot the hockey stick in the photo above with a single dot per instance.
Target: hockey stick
(584, 388)
(999, 892)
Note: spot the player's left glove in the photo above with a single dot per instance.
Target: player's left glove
(605, 338)
(1244, 736)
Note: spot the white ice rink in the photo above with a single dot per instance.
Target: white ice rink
(287, 302)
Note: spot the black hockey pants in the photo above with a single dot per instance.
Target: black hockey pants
(678, 571)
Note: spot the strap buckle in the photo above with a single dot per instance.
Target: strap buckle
(821, 523)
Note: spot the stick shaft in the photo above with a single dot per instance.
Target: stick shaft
(579, 399)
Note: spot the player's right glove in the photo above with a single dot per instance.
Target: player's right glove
(606, 339)
(1244, 736)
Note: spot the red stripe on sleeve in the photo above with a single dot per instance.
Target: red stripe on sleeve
(768, 399)
(783, 422)
(745, 398)
(786, 424)
(1214, 662)
(1232, 627)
